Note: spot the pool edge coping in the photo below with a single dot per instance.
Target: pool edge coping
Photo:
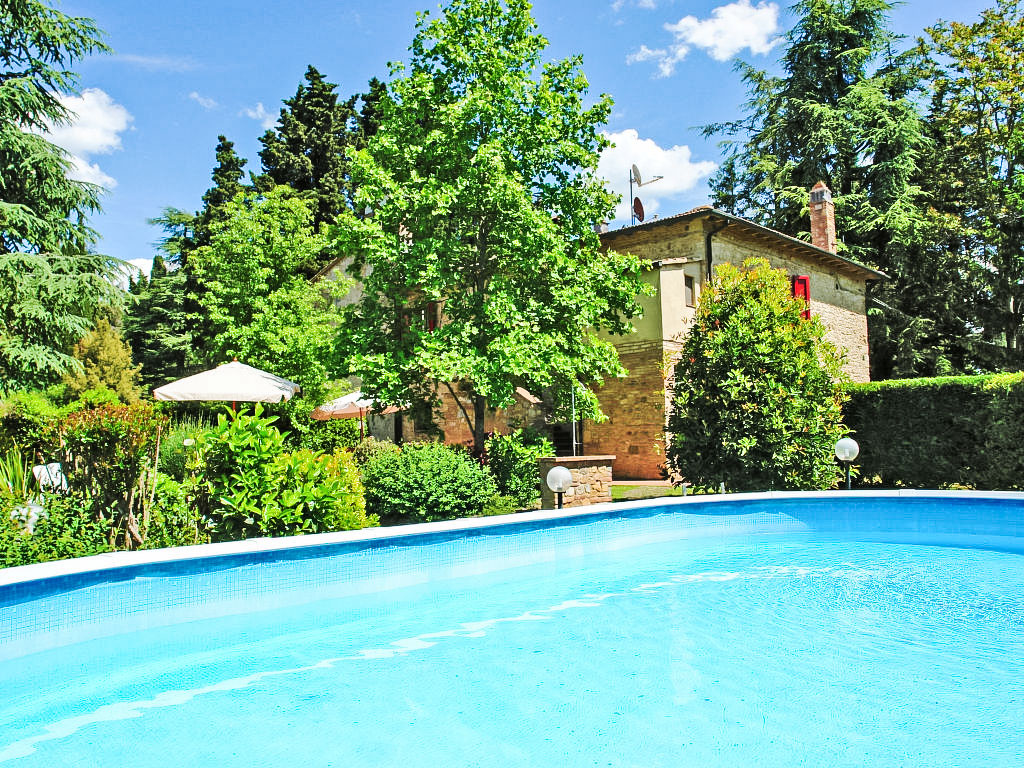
(109, 561)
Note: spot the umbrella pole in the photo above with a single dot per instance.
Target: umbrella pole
(362, 433)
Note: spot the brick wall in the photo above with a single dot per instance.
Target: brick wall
(635, 407)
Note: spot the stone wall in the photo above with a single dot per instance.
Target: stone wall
(591, 480)
(635, 407)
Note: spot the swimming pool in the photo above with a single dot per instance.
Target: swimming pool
(771, 629)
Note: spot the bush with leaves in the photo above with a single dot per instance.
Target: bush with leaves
(25, 418)
(758, 394)
(67, 526)
(369, 448)
(318, 493)
(512, 459)
(250, 486)
(174, 519)
(106, 455)
(423, 482)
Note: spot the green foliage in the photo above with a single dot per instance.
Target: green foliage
(369, 448)
(50, 288)
(304, 431)
(105, 455)
(47, 303)
(976, 117)
(845, 111)
(318, 493)
(106, 361)
(67, 526)
(174, 453)
(16, 482)
(424, 482)
(259, 306)
(758, 391)
(307, 149)
(483, 189)
(25, 418)
(512, 459)
(961, 431)
(157, 326)
(41, 209)
(500, 505)
(250, 486)
(174, 519)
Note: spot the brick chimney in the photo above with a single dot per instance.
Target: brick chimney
(823, 218)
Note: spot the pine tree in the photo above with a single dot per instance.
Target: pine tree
(307, 149)
(51, 287)
(106, 363)
(844, 112)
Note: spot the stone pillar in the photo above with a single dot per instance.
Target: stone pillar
(823, 218)
(591, 480)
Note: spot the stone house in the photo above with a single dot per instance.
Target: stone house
(683, 251)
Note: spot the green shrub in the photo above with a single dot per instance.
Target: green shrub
(423, 482)
(317, 493)
(759, 391)
(250, 486)
(69, 526)
(174, 519)
(328, 436)
(106, 454)
(368, 449)
(16, 481)
(940, 432)
(512, 459)
(499, 505)
(174, 454)
(25, 418)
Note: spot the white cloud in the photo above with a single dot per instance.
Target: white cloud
(730, 29)
(681, 173)
(157, 63)
(649, 5)
(202, 101)
(95, 128)
(267, 120)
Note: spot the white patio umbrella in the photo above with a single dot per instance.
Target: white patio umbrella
(232, 381)
(350, 406)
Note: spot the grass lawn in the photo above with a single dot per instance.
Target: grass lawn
(633, 492)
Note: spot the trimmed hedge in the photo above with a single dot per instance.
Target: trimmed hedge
(938, 432)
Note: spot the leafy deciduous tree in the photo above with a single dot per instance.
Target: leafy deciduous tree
(481, 182)
(259, 305)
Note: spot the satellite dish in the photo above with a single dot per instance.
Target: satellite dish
(638, 209)
(636, 176)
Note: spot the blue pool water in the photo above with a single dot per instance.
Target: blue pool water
(774, 633)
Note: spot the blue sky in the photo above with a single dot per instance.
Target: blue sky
(184, 72)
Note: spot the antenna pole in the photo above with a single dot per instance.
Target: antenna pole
(632, 219)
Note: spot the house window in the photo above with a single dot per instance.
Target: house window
(691, 300)
(802, 290)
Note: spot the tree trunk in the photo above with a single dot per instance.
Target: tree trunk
(479, 411)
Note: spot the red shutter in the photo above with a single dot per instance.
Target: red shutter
(431, 315)
(802, 290)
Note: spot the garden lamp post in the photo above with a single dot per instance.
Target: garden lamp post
(846, 451)
(559, 480)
